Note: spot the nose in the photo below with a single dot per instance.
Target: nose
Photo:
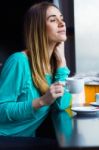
(61, 23)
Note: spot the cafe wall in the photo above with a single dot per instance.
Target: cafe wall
(86, 20)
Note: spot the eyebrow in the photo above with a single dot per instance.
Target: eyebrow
(53, 16)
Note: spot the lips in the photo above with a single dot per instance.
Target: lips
(62, 32)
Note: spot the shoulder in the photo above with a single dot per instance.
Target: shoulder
(18, 56)
(16, 61)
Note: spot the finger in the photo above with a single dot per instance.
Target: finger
(58, 95)
(60, 83)
(59, 90)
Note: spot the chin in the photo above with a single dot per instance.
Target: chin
(62, 39)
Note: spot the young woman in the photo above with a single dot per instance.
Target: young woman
(31, 82)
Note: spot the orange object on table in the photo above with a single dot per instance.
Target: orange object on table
(90, 91)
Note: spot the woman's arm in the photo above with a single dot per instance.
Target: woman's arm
(64, 101)
(60, 55)
(61, 74)
(12, 80)
(55, 91)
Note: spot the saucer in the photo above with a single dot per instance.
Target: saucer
(85, 109)
(94, 104)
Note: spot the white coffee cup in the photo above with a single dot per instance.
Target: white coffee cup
(75, 85)
(97, 97)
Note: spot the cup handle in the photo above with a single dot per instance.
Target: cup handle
(67, 87)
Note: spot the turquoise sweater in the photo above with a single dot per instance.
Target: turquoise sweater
(17, 91)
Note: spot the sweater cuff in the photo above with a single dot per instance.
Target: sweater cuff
(63, 70)
(61, 74)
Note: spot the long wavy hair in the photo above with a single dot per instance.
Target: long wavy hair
(36, 40)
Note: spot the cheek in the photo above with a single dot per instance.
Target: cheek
(50, 30)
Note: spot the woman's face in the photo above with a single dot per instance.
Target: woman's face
(56, 29)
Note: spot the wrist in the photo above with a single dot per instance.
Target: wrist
(41, 102)
(61, 63)
(38, 103)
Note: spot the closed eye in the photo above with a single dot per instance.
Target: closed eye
(52, 20)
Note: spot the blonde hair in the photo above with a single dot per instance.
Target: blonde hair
(37, 43)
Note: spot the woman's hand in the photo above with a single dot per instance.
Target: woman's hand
(59, 54)
(56, 90)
